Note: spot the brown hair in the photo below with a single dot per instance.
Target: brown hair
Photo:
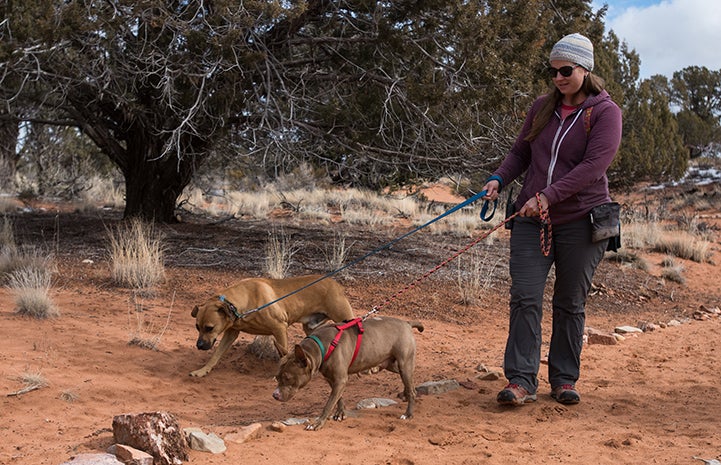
(592, 85)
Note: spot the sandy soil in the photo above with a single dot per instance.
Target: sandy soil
(652, 398)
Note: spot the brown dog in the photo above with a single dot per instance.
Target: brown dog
(311, 306)
(386, 343)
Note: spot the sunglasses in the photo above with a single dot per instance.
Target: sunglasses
(565, 71)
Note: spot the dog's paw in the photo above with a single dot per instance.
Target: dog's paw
(314, 426)
(199, 373)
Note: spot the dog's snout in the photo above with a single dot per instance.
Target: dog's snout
(203, 344)
(277, 395)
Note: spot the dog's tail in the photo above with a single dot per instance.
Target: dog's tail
(417, 324)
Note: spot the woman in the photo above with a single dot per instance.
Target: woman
(568, 140)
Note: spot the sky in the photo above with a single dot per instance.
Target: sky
(668, 35)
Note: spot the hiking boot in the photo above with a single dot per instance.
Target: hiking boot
(566, 394)
(513, 394)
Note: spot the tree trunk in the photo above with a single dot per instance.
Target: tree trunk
(9, 132)
(153, 182)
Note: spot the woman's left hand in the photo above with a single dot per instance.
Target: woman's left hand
(531, 207)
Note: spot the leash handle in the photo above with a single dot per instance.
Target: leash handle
(484, 209)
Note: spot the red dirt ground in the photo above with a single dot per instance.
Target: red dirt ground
(653, 398)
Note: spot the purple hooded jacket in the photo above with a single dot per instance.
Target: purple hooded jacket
(567, 162)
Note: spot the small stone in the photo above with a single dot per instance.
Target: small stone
(437, 387)
(375, 402)
(205, 442)
(489, 376)
(295, 421)
(603, 339)
(246, 433)
(278, 426)
(132, 456)
(627, 329)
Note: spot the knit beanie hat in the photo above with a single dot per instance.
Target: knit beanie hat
(574, 48)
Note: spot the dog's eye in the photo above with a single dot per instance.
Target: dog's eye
(208, 329)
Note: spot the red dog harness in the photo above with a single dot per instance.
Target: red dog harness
(348, 324)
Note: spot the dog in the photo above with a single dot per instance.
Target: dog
(385, 343)
(312, 306)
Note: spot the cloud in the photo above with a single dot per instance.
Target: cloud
(670, 35)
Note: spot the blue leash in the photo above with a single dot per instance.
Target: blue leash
(483, 215)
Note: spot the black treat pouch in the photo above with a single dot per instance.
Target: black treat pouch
(606, 224)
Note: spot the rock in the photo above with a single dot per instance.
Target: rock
(674, 323)
(94, 459)
(490, 376)
(437, 387)
(157, 433)
(278, 426)
(647, 327)
(627, 329)
(245, 433)
(602, 339)
(295, 421)
(375, 402)
(204, 442)
(131, 456)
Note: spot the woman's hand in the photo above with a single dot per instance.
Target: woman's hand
(531, 207)
(491, 189)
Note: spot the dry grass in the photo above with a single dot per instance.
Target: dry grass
(144, 334)
(279, 251)
(136, 255)
(69, 396)
(475, 276)
(685, 246)
(672, 270)
(31, 287)
(337, 252)
(31, 381)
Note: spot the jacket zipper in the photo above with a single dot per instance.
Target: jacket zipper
(556, 145)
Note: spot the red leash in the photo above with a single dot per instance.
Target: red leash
(546, 230)
(441, 265)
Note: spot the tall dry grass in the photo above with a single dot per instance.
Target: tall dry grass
(279, 251)
(31, 287)
(144, 333)
(136, 255)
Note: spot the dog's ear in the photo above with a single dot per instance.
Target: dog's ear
(300, 356)
(225, 309)
(194, 313)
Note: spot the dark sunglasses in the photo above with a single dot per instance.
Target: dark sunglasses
(565, 71)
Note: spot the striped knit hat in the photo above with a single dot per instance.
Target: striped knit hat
(574, 48)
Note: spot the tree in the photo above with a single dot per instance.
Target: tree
(373, 92)
(652, 147)
(696, 90)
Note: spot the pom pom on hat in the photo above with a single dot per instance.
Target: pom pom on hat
(575, 48)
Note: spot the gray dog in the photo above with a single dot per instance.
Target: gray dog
(356, 347)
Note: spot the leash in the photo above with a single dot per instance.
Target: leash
(546, 230)
(546, 238)
(483, 214)
(439, 266)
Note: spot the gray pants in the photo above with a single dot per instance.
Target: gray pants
(576, 259)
